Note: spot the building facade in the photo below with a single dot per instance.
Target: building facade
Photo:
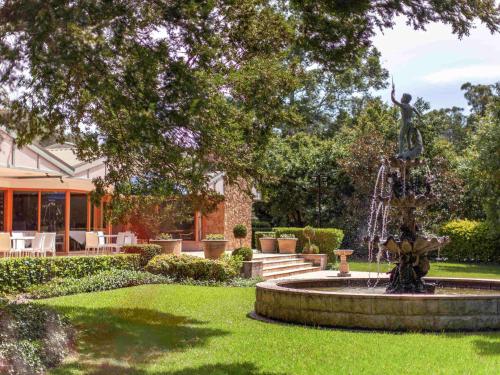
(48, 189)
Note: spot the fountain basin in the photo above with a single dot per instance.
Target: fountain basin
(296, 301)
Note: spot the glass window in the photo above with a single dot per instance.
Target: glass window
(52, 216)
(25, 211)
(77, 221)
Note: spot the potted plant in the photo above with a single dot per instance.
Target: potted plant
(287, 243)
(309, 247)
(214, 246)
(268, 243)
(240, 232)
(168, 244)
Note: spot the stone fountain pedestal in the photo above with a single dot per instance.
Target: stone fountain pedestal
(344, 266)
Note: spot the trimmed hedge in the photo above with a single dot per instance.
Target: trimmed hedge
(18, 274)
(471, 241)
(187, 267)
(146, 251)
(327, 239)
(258, 235)
(244, 252)
(106, 280)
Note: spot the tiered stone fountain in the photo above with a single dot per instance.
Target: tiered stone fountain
(406, 301)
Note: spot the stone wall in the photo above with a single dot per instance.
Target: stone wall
(237, 210)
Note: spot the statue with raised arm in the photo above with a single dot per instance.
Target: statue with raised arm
(410, 144)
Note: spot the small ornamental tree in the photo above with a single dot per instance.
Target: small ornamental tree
(240, 232)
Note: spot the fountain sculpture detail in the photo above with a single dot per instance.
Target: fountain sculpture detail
(397, 190)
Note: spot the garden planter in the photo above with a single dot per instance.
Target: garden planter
(214, 249)
(169, 246)
(268, 244)
(287, 245)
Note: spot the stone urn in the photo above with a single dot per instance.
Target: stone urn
(268, 244)
(287, 245)
(173, 246)
(344, 266)
(214, 249)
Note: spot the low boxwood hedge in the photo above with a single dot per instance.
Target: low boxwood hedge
(471, 241)
(106, 280)
(146, 251)
(18, 274)
(185, 267)
(327, 239)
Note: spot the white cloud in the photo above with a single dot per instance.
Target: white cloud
(481, 72)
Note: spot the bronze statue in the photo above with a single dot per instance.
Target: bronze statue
(410, 140)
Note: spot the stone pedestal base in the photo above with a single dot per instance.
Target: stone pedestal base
(343, 274)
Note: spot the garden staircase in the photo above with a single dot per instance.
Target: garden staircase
(284, 265)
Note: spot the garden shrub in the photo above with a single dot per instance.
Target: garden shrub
(146, 251)
(244, 252)
(33, 338)
(184, 267)
(18, 274)
(327, 239)
(259, 235)
(106, 280)
(471, 241)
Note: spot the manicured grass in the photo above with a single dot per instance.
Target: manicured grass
(192, 330)
(445, 269)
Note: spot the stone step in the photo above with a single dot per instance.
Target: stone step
(276, 257)
(287, 273)
(283, 267)
(277, 262)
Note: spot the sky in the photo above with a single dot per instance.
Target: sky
(433, 64)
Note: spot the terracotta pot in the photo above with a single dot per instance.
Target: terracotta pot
(267, 244)
(214, 249)
(287, 245)
(169, 246)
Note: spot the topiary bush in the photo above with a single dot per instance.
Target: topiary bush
(146, 251)
(327, 239)
(259, 235)
(471, 241)
(105, 280)
(240, 232)
(244, 252)
(184, 267)
(18, 274)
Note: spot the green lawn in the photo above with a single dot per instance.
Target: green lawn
(485, 271)
(191, 330)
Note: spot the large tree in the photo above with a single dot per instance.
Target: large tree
(170, 91)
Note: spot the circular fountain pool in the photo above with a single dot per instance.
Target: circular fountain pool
(459, 304)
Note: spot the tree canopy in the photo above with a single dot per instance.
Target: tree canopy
(171, 91)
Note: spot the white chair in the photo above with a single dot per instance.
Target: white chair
(5, 244)
(18, 244)
(49, 243)
(92, 243)
(36, 245)
(120, 241)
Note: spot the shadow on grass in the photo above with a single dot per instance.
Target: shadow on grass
(244, 368)
(131, 336)
(487, 347)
